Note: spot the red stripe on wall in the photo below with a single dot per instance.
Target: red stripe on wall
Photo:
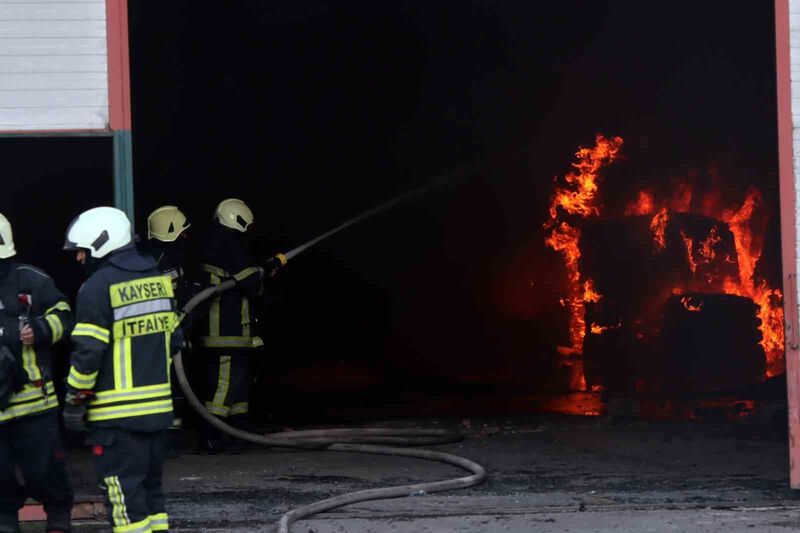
(119, 80)
(788, 237)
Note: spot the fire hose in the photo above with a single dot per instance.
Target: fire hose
(378, 441)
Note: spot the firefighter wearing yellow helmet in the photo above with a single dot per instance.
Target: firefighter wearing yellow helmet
(166, 238)
(34, 315)
(166, 235)
(229, 335)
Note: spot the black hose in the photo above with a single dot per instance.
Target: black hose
(358, 440)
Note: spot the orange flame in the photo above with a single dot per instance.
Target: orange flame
(748, 251)
(579, 198)
(707, 246)
(681, 198)
(644, 205)
(659, 226)
(589, 292)
(687, 303)
(597, 329)
(689, 243)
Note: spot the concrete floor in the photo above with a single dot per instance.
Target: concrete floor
(547, 473)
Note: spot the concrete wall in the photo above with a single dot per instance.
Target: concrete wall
(53, 65)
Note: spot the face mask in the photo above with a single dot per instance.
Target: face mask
(91, 265)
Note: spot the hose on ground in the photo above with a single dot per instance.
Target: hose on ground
(355, 440)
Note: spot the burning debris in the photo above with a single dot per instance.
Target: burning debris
(578, 200)
(634, 274)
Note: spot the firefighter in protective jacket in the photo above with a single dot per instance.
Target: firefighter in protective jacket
(119, 380)
(230, 335)
(166, 235)
(33, 316)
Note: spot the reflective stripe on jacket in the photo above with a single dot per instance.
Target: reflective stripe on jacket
(123, 343)
(28, 294)
(230, 324)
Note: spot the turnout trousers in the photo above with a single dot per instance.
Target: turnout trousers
(129, 468)
(228, 383)
(33, 443)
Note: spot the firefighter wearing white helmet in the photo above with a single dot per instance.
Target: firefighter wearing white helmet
(230, 337)
(34, 315)
(118, 386)
(6, 239)
(233, 213)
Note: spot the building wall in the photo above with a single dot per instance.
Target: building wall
(794, 40)
(53, 65)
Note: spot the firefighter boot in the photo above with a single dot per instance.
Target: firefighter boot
(211, 440)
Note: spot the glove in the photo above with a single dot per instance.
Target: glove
(274, 264)
(75, 418)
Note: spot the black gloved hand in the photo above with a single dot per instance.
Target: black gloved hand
(75, 418)
(274, 264)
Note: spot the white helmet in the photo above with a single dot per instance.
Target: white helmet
(100, 230)
(166, 223)
(6, 239)
(234, 213)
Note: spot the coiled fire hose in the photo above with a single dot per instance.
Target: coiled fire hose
(379, 441)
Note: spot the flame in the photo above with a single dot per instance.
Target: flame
(644, 205)
(748, 254)
(578, 198)
(687, 303)
(659, 226)
(681, 198)
(589, 292)
(707, 246)
(770, 301)
(597, 329)
(689, 243)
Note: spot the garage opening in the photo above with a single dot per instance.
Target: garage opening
(613, 239)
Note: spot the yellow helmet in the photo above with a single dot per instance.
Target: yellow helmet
(234, 213)
(6, 239)
(166, 223)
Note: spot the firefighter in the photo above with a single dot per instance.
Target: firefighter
(34, 315)
(230, 336)
(166, 235)
(118, 385)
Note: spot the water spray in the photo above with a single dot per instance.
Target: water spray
(281, 259)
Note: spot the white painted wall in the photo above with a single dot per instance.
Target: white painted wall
(53, 65)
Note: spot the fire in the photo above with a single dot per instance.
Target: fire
(770, 301)
(689, 243)
(589, 293)
(687, 303)
(579, 199)
(681, 198)
(707, 246)
(597, 329)
(580, 195)
(659, 226)
(748, 254)
(644, 205)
